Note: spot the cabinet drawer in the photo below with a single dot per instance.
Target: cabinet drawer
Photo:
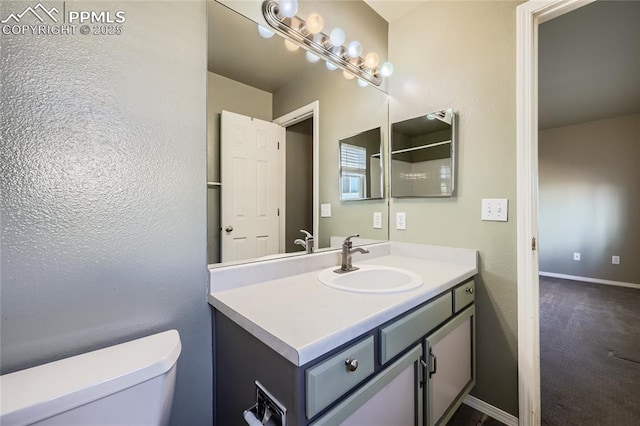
(463, 296)
(408, 329)
(328, 380)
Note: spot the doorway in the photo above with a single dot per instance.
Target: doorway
(588, 133)
(299, 184)
(529, 16)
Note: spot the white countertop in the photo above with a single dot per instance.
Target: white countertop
(301, 318)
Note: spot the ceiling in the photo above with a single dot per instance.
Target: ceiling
(589, 64)
(391, 10)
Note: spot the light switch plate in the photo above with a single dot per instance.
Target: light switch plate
(576, 256)
(495, 209)
(401, 220)
(325, 210)
(377, 220)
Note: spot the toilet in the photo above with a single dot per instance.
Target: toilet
(127, 384)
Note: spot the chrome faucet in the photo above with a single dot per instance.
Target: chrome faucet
(347, 251)
(307, 243)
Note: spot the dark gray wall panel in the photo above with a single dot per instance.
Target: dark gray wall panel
(103, 173)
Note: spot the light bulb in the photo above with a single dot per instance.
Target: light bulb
(330, 66)
(291, 46)
(355, 49)
(362, 83)
(347, 75)
(288, 8)
(371, 60)
(386, 69)
(265, 32)
(312, 58)
(337, 37)
(314, 23)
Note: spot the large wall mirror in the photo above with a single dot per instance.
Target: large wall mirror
(275, 121)
(423, 155)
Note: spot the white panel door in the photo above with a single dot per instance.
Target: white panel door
(251, 175)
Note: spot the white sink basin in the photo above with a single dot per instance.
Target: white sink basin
(371, 279)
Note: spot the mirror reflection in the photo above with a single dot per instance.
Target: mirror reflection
(423, 156)
(361, 176)
(274, 125)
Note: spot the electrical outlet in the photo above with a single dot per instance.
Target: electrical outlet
(576, 256)
(495, 209)
(377, 220)
(401, 220)
(615, 260)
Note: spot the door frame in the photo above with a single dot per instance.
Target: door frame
(311, 110)
(528, 16)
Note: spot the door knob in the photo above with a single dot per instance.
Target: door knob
(229, 228)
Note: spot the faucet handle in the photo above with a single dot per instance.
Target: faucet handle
(306, 233)
(347, 241)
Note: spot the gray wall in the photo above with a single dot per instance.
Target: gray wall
(590, 199)
(226, 94)
(103, 173)
(466, 60)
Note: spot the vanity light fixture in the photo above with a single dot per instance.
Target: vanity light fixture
(265, 32)
(308, 34)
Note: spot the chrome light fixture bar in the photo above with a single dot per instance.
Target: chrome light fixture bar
(318, 44)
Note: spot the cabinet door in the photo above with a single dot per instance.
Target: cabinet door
(392, 397)
(450, 358)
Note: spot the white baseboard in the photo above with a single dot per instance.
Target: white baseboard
(491, 411)
(589, 280)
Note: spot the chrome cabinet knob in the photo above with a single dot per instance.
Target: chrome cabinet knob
(470, 290)
(352, 364)
(229, 228)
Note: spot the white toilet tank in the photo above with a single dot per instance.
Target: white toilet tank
(128, 384)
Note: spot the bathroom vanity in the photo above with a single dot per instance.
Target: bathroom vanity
(331, 356)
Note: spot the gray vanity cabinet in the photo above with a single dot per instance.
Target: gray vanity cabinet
(413, 370)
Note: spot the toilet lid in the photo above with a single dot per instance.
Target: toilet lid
(36, 393)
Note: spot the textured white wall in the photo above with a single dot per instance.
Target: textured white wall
(103, 173)
(461, 54)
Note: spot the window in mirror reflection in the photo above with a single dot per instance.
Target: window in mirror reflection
(353, 161)
(361, 166)
(422, 156)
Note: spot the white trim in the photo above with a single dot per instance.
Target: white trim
(491, 411)
(589, 280)
(528, 16)
(300, 114)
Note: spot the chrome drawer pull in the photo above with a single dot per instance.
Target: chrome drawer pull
(352, 364)
(469, 290)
